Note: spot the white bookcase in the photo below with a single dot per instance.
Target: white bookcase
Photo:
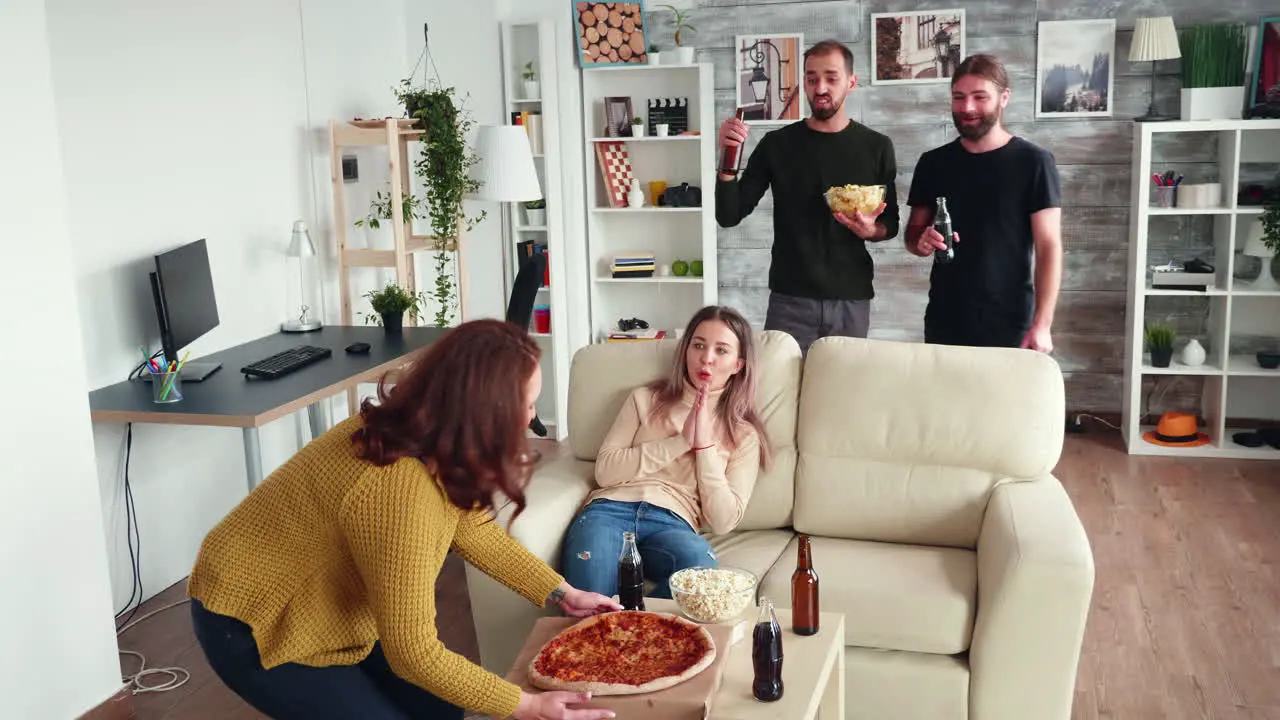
(1231, 318)
(522, 43)
(666, 302)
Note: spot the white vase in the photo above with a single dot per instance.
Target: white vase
(635, 198)
(637, 130)
(655, 58)
(684, 55)
(532, 88)
(1212, 103)
(1193, 354)
(536, 217)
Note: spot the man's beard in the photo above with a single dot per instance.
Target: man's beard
(975, 132)
(825, 113)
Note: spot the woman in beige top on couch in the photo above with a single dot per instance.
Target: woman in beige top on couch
(682, 455)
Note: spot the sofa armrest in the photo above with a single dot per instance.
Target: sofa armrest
(502, 618)
(1035, 583)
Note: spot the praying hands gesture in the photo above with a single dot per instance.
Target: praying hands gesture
(697, 425)
(863, 224)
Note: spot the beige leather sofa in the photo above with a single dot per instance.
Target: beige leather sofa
(922, 474)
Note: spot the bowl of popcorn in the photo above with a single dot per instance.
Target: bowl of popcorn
(713, 595)
(850, 199)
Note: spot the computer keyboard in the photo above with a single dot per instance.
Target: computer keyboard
(283, 363)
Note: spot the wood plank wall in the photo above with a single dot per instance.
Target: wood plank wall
(1093, 158)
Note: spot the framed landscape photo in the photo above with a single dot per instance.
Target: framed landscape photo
(922, 46)
(1075, 68)
(769, 78)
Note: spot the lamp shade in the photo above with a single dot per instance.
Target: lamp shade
(1253, 245)
(300, 244)
(504, 165)
(1154, 38)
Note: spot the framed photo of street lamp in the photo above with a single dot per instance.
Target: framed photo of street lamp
(769, 78)
(913, 48)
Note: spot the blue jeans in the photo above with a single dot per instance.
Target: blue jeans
(589, 559)
(369, 690)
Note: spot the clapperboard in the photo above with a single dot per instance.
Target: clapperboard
(674, 111)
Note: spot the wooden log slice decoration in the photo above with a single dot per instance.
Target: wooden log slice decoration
(588, 18)
(615, 18)
(624, 52)
(582, 7)
(614, 38)
(628, 25)
(610, 32)
(593, 52)
(592, 35)
(601, 11)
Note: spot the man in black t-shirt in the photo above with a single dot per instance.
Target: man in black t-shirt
(1004, 199)
(820, 275)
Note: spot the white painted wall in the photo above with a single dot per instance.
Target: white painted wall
(190, 121)
(60, 651)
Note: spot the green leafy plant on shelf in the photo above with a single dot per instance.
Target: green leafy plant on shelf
(681, 22)
(380, 210)
(1212, 55)
(535, 204)
(1271, 226)
(1159, 340)
(528, 73)
(391, 304)
(443, 167)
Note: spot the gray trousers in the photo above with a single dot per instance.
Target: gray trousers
(806, 319)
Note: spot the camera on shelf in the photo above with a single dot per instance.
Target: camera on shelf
(632, 324)
(682, 195)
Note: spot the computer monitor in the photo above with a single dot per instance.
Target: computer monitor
(182, 289)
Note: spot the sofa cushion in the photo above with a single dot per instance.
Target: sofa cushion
(903, 442)
(894, 597)
(756, 551)
(603, 374)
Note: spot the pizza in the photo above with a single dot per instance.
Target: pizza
(623, 653)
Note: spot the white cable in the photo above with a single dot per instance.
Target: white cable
(177, 676)
(1095, 417)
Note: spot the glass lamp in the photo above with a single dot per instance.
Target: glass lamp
(303, 289)
(1254, 247)
(1154, 38)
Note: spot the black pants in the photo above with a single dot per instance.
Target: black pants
(974, 334)
(806, 319)
(367, 691)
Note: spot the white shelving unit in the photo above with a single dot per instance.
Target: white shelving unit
(670, 233)
(1237, 392)
(522, 43)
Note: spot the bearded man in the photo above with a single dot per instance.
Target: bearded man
(1004, 199)
(820, 274)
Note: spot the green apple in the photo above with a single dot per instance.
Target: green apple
(697, 268)
(680, 267)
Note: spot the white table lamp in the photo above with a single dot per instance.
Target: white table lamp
(1154, 38)
(1254, 247)
(303, 290)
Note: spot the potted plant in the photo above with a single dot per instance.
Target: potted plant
(684, 55)
(535, 212)
(532, 89)
(443, 167)
(655, 54)
(390, 305)
(1213, 61)
(380, 212)
(1159, 339)
(637, 127)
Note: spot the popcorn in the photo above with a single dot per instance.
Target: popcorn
(850, 199)
(712, 595)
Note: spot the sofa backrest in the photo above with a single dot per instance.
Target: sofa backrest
(904, 442)
(603, 374)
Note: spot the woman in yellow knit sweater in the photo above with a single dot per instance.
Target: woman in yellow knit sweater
(315, 597)
(682, 455)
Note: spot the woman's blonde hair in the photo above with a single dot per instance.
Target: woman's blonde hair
(738, 401)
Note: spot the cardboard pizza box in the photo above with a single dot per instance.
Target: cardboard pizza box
(690, 700)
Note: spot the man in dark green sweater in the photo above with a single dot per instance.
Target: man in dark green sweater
(820, 278)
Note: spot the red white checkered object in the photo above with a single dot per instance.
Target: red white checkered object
(615, 168)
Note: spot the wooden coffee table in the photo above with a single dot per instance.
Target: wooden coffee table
(812, 671)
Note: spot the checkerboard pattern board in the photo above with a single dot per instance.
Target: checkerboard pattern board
(615, 170)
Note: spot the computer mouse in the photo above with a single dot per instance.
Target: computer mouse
(358, 348)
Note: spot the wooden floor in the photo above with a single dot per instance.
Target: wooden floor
(1186, 611)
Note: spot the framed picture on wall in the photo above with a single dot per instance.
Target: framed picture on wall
(1075, 68)
(924, 46)
(610, 33)
(1264, 95)
(769, 78)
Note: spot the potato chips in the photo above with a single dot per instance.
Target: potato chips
(850, 199)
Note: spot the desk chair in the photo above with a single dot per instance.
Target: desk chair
(524, 293)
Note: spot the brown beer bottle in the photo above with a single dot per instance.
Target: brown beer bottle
(804, 592)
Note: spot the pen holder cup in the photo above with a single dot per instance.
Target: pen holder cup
(166, 387)
(1162, 196)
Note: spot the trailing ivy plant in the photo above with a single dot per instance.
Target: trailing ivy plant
(443, 167)
(1271, 226)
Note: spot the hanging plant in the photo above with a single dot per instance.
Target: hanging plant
(443, 167)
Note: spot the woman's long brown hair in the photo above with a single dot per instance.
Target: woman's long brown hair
(461, 410)
(738, 401)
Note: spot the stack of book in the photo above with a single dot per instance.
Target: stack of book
(634, 335)
(633, 265)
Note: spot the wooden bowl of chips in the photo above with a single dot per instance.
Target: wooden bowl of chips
(850, 199)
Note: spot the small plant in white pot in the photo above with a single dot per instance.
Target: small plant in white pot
(655, 54)
(535, 212)
(1213, 62)
(637, 127)
(378, 237)
(532, 88)
(684, 54)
